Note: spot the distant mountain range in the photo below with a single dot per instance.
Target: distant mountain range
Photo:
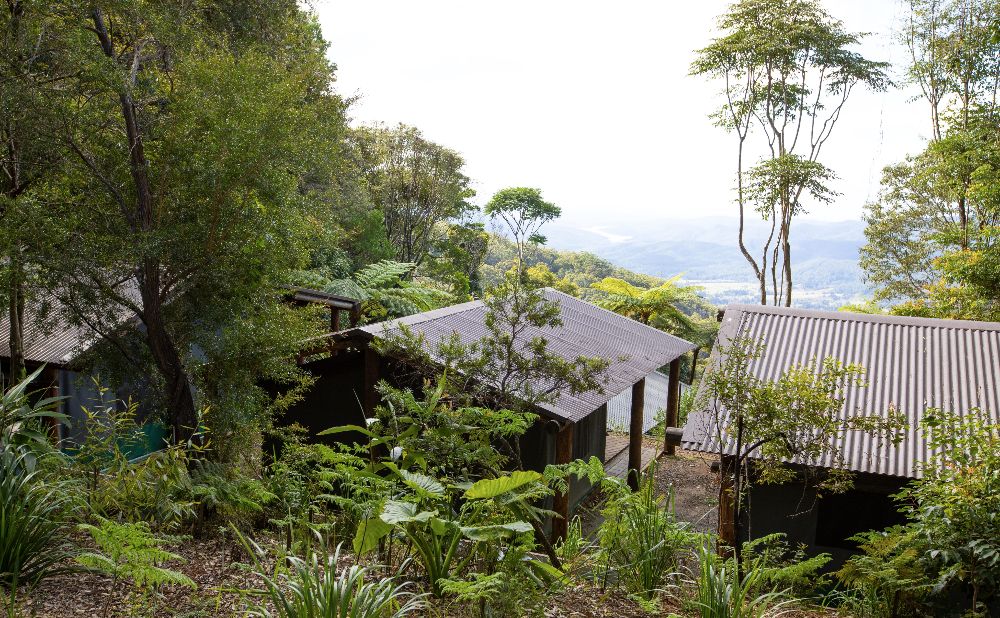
(704, 251)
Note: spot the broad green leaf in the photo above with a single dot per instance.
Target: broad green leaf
(370, 532)
(493, 533)
(442, 526)
(347, 428)
(491, 488)
(397, 512)
(424, 485)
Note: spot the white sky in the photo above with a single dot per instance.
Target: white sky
(591, 101)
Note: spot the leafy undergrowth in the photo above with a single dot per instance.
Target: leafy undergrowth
(220, 570)
(215, 565)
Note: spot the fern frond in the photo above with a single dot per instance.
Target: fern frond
(383, 273)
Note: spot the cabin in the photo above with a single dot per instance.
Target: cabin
(55, 341)
(911, 364)
(572, 427)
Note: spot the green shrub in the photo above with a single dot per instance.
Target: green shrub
(954, 508)
(724, 593)
(641, 540)
(22, 421)
(30, 522)
(317, 587)
(887, 578)
(784, 568)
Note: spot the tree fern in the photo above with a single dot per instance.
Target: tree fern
(382, 274)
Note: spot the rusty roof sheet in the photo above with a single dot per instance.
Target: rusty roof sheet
(634, 350)
(911, 364)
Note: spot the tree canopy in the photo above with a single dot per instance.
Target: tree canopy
(787, 69)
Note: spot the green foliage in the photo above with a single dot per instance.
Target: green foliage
(415, 183)
(781, 567)
(787, 68)
(317, 587)
(572, 549)
(577, 268)
(383, 288)
(459, 256)
(524, 212)
(317, 487)
(954, 508)
(176, 486)
(641, 540)
(129, 553)
(660, 306)
(21, 419)
(930, 232)
(436, 529)
(452, 441)
(31, 521)
(724, 593)
(887, 578)
(540, 276)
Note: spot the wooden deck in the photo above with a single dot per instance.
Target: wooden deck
(616, 454)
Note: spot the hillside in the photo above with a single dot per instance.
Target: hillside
(704, 250)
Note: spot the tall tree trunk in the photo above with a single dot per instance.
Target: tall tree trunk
(139, 214)
(16, 309)
(786, 251)
(759, 272)
(180, 402)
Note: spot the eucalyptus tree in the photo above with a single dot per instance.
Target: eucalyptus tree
(787, 71)
(415, 183)
(199, 130)
(940, 206)
(524, 212)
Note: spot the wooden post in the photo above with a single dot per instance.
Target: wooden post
(727, 503)
(635, 434)
(560, 503)
(673, 401)
(694, 365)
(335, 319)
(371, 374)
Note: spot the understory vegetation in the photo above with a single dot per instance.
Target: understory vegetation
(176, 177)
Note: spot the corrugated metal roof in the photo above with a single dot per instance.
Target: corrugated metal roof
(634, 349)
(48, 337)
(911, 364)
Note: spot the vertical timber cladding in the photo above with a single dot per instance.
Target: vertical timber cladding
(589, 440)
(564, 454)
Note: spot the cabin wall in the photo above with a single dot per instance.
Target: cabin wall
(823, 524)
(590, 437)
(333, 400)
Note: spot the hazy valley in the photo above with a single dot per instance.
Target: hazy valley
(704, 251)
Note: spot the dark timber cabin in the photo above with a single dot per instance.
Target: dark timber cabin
(58, 337)
(574, 426)
(911, 364)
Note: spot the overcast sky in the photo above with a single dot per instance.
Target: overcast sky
(591, 101)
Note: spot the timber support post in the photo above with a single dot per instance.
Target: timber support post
(560, 503)
(635, 434)
(673, 402)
